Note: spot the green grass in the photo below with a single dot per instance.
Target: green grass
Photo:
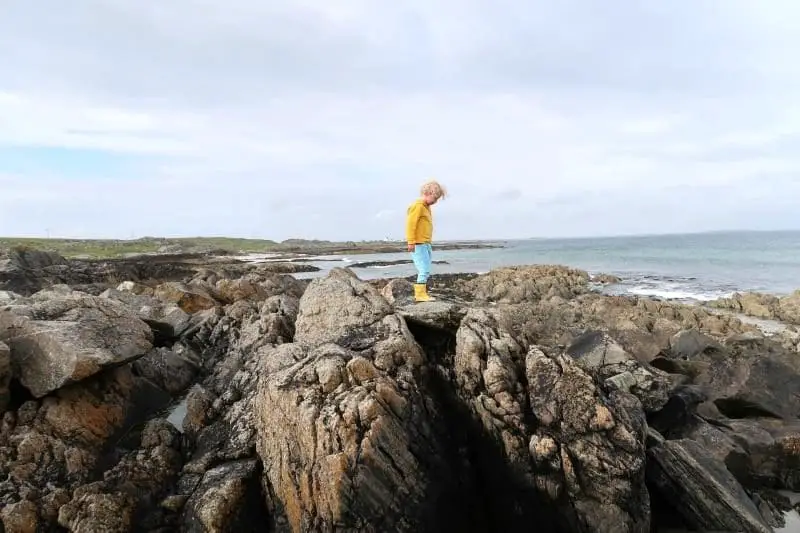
(108, 248)
(116, 248)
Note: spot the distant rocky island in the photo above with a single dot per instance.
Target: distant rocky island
(196, 393)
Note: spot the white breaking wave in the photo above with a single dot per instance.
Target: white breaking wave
(675, 293)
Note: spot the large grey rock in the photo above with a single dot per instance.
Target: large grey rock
(398, 292)
(7, 297)
(349, 437)
(345, 442)
(528, 284)
(603, 357)
(339, 308)
(167, 320)
(228, 499)
(26, 271)
(270, 322)
(173, 370)
(784, 308)
(701, 489)
(759, 452)
(746, 377)
(690, 343)
(562, 436)
(62, 338)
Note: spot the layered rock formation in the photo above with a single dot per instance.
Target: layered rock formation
(783, 308)
(529, 403)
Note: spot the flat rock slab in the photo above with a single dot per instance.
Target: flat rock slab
(437, 314)
(65, 338)
(702, 489)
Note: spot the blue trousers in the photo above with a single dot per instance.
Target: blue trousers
(422, 260)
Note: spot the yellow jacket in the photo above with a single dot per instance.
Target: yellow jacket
(419, 223)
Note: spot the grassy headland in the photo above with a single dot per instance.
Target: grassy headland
(116, 248)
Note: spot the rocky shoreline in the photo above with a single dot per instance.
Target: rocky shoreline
(521, 400)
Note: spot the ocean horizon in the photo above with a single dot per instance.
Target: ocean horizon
(689, 266)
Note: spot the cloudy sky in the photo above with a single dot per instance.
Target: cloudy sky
(281, 119)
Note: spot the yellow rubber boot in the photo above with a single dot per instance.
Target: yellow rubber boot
(421, 293)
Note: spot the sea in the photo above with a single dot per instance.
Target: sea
(695, 267)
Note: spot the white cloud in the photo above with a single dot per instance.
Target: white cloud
(301, 119)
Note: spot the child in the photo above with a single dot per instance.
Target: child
(419, 234)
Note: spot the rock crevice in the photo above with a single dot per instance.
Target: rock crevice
(524, 402)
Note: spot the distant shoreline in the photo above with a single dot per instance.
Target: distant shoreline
(119, 248)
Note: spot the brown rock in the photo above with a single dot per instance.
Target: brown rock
(89, 415)
(61, 339)
(528, 284)
(224, 501)
(349, 438)
(789, 308)
(189, 299)
(785, 309)
(91, 511)
(578, 442)
(753, 304)
(246, 288)
(20, 517)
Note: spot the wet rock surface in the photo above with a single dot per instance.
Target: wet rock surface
(519, 400)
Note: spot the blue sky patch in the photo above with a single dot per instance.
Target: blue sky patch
(66, 162)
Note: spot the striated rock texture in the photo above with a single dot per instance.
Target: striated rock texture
(709, 497)
(349, 438)
(524, 284)
(579, 448)
(61, 338)
(21, 269)
(519, 401)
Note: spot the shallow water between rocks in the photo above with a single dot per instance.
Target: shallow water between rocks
(177, 413)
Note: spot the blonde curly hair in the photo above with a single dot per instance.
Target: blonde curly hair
(433, 188)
